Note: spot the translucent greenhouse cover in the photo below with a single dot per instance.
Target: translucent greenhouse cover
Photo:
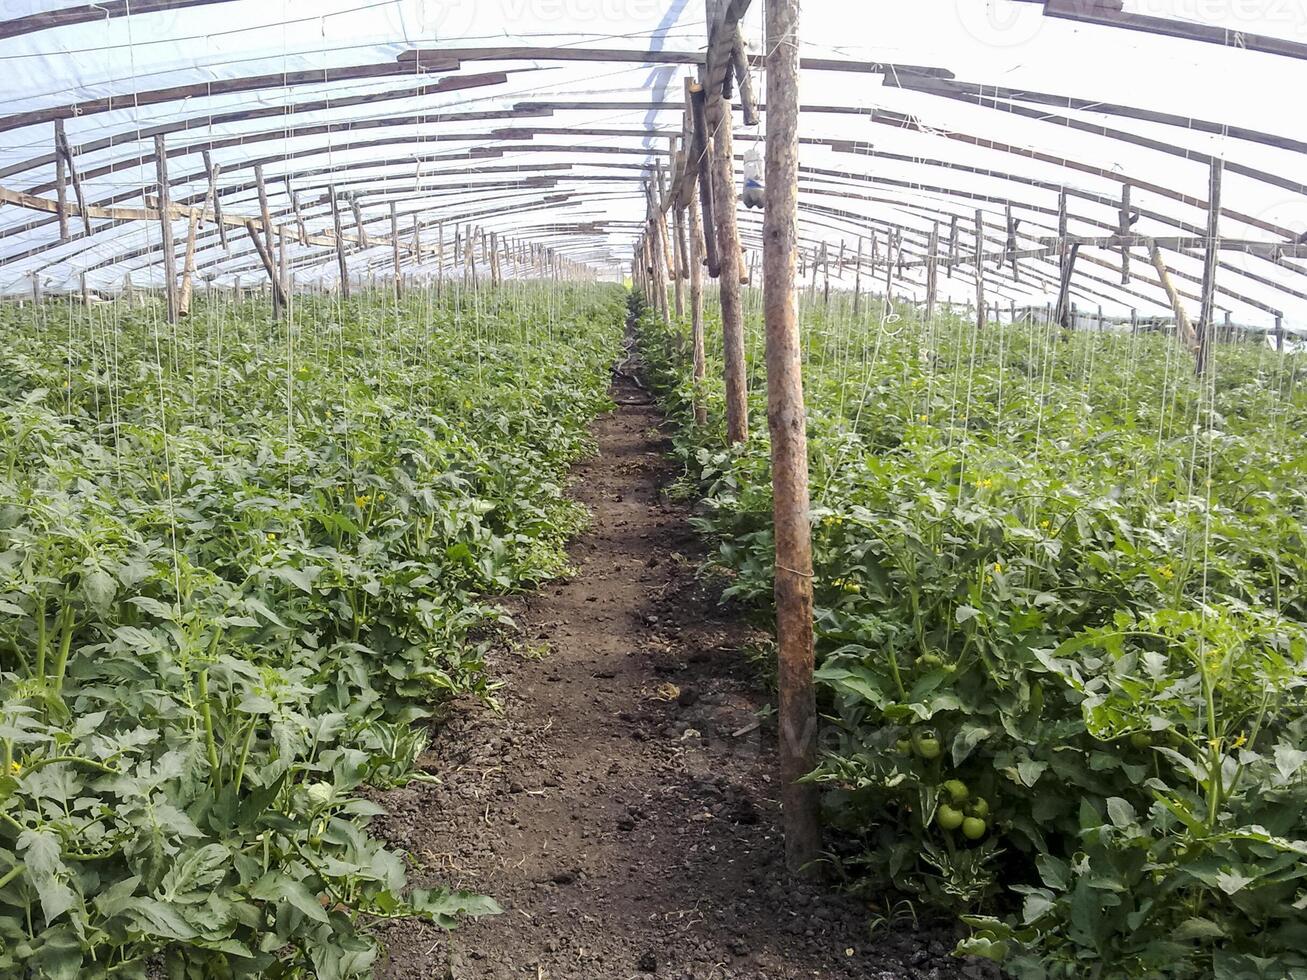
(523, 138)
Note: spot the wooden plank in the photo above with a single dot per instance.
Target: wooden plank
(213, 171)
(932, 272)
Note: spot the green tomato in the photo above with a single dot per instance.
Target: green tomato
(928, 748)
(1141, 740)
(930, 661)
(948, 818)
(973, 828)
(979, 808)
(904, 746)
(957, 790)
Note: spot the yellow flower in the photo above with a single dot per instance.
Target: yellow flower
(998, 568)
(1167, 572)
(271, 536)
(360, 502)
(922, 418)
(1045, 524)
(15, 769)
(1152, 479)
(984, 484)
(1241, 741)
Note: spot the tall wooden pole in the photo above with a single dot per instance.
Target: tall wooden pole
(1183, 327)
(932, 272)
(273, 275)
(188, 267)
(857, 282)
(787, 421)
(61, 181)
(980, 269)
(696, 313)
(1210, 260)
(165, 227)
(728, 248)
(394, 249)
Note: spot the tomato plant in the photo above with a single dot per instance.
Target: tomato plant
(239, 560)
(1060, 594)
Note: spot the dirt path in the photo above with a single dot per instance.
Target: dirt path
(622, 808)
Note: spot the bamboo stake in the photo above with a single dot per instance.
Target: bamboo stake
(787, 422)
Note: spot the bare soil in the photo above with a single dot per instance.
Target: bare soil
(622, 808)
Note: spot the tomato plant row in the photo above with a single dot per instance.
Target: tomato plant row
(1061, 590)
(238, 559)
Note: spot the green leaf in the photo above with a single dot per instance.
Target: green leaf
(42, 854)
(1120, 812)
(276, 887)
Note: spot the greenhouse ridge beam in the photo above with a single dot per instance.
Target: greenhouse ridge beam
(1109, 13)
(105, 10)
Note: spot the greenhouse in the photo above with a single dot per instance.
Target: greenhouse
(601, 489)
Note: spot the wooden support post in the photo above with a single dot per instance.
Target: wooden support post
(1012, 225)
(728, 255)
(340, 242)
(1279, 332)
(360, 230)
(61, 182)
(165, 228)
(188, 267)
(266, 214)
(857, 281)
(129, 292)
(394, 251)
(283, 270)
(440, 255)
(953, 246)
(889, 276)
(932, 272)
(1134, 321)
(1123, 226)
(63, 149)
(702, 156)
(696, 313)
(85, 293)
(36, 288)
(980, 269)
(213, 171)
(1210, 260)
(1063, 312)
(1183, 327)
(787, 422)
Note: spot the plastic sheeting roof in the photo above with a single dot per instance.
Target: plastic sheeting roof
(516, 136)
